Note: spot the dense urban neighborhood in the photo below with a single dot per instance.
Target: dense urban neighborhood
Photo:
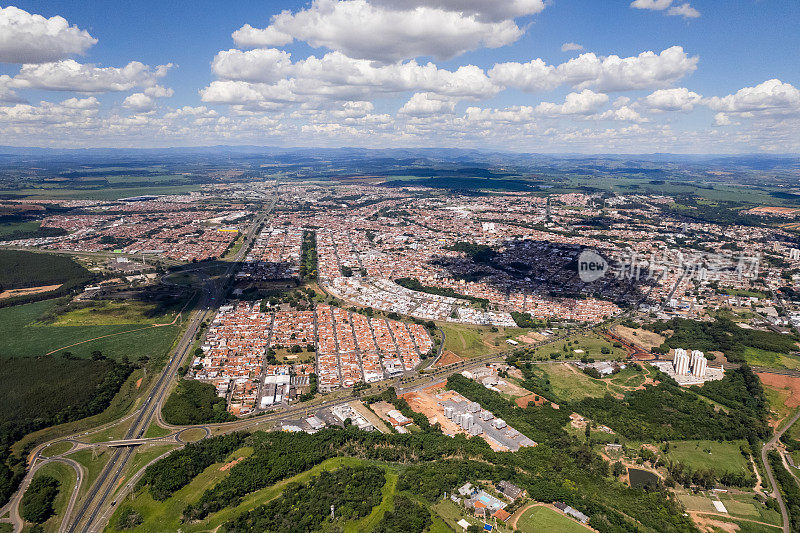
(356, 322)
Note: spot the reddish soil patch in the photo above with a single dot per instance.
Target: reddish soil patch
(776, 381)
(10, 293)
(138, 383)
(448, 358)
(231, 464)
(525, 401)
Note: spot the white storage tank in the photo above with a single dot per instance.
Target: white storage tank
(499, 423)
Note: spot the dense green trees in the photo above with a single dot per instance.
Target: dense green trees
(788, 487)
(176, 470)
(415, 285)
(407, 517)
(308, 256)
(723, 335)
(195, 402)
(20, 269)
(350, 492)
(668, 412)
(46, 391)
(37, 502)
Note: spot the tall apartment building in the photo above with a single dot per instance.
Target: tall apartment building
(681, 361)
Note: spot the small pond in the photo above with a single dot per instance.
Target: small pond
(642, 478)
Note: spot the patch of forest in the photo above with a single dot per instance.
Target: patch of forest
(194, 402)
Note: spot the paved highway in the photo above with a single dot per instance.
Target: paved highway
(101, 493)
(776, 493)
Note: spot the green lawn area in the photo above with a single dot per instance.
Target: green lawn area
(57, 449)
(155, 431)
(66, 477)
(723, 456)
(109, 313)
(115, 432)
(744, 506)
(451, 513)
(474, 341)
(92, 463)
(694, 502)
(591, 344)
(758, 357)
(22, 335)
(540, 518)
(745, 526)
(570, 384)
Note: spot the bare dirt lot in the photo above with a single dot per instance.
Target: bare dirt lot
(777, 381)
(525, 401)
(641, 337)
(24, 292)
(448, 358)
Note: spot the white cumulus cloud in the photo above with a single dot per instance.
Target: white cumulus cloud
(571, 47)
(382, 33)
(684, 10)
(262, 76)
(30, 38)
(772, 97)
(69, 75)
(494, 10)
(678, 99)
(607, 74)
(586, 102)
(422, 104)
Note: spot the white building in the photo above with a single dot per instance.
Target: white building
(699, 364)
(681, 362)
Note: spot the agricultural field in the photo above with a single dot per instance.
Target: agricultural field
(29, 229)
(23, 335)
(54, 389)
(113, 192)
(743, 509)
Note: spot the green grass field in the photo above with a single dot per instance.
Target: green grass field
(474, 341)
(114, 313)
(93, 463)
(758, 357)
(57, 449)
(718, 456)
(570, 384)
(743, 526)
(22, 335)
(540, 519)
(66, 477)
(591, 344)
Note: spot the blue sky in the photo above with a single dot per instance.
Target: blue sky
(699, 76)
